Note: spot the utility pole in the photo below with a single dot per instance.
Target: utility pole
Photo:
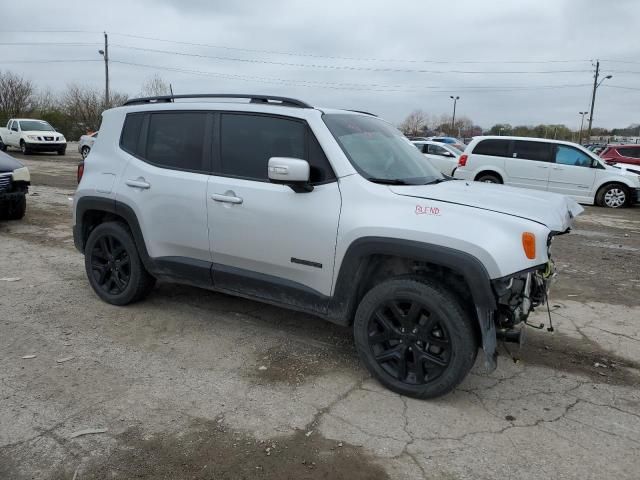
(581, 125)
(453, 119)
(593, 97)
(596, 84)
(105, 54)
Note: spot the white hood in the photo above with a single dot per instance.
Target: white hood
(554, 210)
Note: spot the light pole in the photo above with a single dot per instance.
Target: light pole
(453, 118)
(581, 125)
(596, 84)
(105, 54)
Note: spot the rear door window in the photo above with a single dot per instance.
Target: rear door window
(633, 152)
(176, 140)
(436, 150)
(493, 147)
(527, 150)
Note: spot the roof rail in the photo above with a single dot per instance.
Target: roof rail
(363, 112)
(268, 99)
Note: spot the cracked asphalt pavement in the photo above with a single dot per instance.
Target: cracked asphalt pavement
(195, 384)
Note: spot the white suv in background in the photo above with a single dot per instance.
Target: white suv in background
(329, 212)
(551, 165)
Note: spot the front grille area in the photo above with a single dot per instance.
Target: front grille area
(5, 183)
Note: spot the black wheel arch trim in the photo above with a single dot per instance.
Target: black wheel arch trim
(343, 303)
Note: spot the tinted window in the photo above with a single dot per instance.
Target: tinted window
(176, 140)
(532, 150)
(248, 142)
(633, 152)
(436, 150)
(496, 148)
(570, 156)
(131, 133)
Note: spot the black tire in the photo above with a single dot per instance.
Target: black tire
(3, 147)
(614, 195)
(436, 325)
(488, 178)
(16, 208)
(23, 148)
(122, 278)
(62, 152)
(84, 151)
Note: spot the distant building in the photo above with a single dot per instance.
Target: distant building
(620, 139)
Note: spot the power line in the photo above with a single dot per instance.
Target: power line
(344, 67)
(57, 44)
(621, 87)
(51, 61)
(339, 86)
(337, 57)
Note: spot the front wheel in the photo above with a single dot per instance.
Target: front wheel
(14, 209)
(62, 151)
(84, 152)
(415, 337)
(113, 266)
(612, 196)
(24, 149)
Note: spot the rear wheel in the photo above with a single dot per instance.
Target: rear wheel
(84, 151)
(113, 265)
(613, 196)
(3, 147)
(415, 338)
(488, 178)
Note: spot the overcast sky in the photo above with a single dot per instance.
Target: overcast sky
(376, 55)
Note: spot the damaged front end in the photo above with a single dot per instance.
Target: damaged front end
(517, 296)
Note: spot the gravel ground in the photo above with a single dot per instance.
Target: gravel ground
(195, 384)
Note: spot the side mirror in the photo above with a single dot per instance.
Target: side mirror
(595, 163)
(290, 171)
(447, 154)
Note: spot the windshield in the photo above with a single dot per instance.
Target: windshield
(35, 125)
(379, 152)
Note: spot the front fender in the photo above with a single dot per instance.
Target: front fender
(343, 303)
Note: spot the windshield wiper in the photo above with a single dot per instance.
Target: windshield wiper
(390, 181)
(439, 180)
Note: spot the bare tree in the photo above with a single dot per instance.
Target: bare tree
(16, 95)
(84, 107)
(415, 122)
(155, 86)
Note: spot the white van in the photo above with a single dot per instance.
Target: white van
(552, 165)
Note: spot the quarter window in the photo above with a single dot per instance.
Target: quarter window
(528, 150)
(570, 156)
(495, 148)
(131, 133)
(176, 140)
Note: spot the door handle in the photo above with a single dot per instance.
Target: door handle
(558, 168)
(140, 183)
(226, 198)
(542, 166)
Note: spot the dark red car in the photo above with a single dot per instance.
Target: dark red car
(621, 154)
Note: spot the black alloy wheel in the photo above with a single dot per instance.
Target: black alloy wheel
(409, 342)
(415, 336)
(110, 265)
(113, 265)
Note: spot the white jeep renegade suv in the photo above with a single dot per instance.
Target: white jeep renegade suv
(329, 212)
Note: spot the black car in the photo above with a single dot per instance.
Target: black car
(14, 185)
